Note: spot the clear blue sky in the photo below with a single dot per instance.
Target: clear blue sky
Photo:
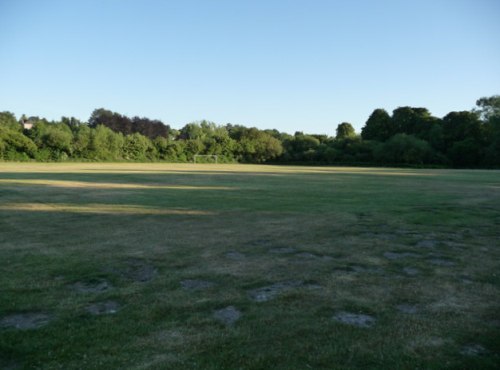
(288, 64)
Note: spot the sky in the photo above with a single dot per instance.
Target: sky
(292, 65)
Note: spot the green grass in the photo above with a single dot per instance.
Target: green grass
(66, 223)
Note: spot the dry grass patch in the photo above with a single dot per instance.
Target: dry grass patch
(104, 185)
(118, 209)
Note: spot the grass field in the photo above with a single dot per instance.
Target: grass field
(159, 266)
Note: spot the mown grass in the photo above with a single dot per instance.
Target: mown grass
(340, 231)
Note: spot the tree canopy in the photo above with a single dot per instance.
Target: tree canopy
(345, 130)
(410, 136)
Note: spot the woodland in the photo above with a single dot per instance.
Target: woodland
(410, 136)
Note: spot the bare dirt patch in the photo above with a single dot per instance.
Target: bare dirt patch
(407, 308)
(139, 271)
(381, 236)
(442, 262)
(260, 242)
(312, 256)
(269, 292)
(473, 350)
(135, 270)
(235, 256)
(103, 308)
(424, 342)
(306, 255)
(400, 255)
(282, 250)
(365, 269)
(466, 280)
(227, 316)
(192, 284)
(426, 243)
(355, 319)
(454, 244)
(25, 320)
(92, 286)
(411, 271)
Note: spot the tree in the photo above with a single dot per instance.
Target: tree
(8, 120)
(405, 149)
(257, 147)
(302, 143)
(106, 144)
(14, 145)
(379, 126)
(176, 151)
(54, 140)
(327, 154)
(82, 138)
(206, 137)
(411, 136)
(489, 112)
(414, 121)
(220, 143)
(71, 122)
(127, 126)
(149, 128)
(354, 150)
(345, 130)
(488, 107)
(436, 137)
(301, 147)
(193, 147)
(466, 153)
(196, 130)
(138, 147)
(104, 117)
(459, 126)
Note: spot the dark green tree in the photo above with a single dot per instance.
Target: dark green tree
(466, 153)
(379, 126)
(405, 149)
(126, 125)
(489, 111)
(414, 121)
(458, 126)
(354, 150)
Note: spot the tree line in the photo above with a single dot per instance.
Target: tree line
(408, 136)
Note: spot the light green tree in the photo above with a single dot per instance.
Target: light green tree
(345, 130)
